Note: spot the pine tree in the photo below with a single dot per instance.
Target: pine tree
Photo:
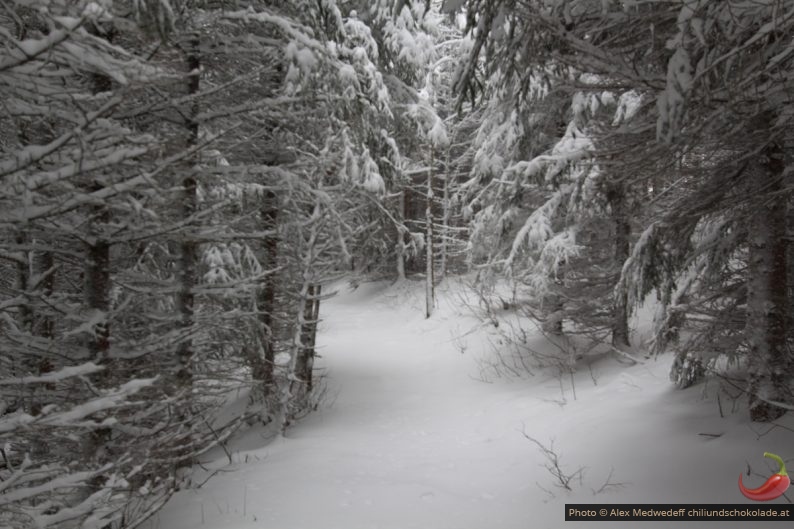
(718, 151)
(543, 180)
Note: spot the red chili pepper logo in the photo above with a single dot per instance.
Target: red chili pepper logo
(774, 487)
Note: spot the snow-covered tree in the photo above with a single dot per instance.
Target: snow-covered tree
(704, 142)
(543, 182)
(83, 404)
(732, 261)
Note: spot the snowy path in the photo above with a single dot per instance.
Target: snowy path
(414, 440)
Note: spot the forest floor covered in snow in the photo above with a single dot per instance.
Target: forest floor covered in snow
(414, 433)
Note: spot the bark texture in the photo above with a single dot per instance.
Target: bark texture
(616, 197)
(767, 291)
(263, 366)
(188, 260)
(430, 293)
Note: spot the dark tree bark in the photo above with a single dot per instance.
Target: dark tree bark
(262, 366)
(616, 197)
(44, 264)
(96, 274)
(304, 368)
(23, 284)
(767, 291)
(401, 250)
(97, 280)
(188, 247)
(430, 293)
(96, 289)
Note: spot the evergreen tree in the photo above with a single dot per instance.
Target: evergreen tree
(710, 84)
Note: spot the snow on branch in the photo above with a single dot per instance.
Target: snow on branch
(558, 250)
(49, 416)
(288, 26)
(67, 372)
(537, 228)
(30, 49)
(65, 481)
(33, 154)
(633, 276)
(430, 125)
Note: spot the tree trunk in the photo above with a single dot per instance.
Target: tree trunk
(96, 290)
(296, 388)
(263, 366)
(311, 312)
(22, 284)
(445, 233)
(188, 247)
(553, 323)
(401, 237)
(789, 250)
(766, 328)
(429, 279)
(96, 278)
(185, 298)
(44, 265)
(616, 197)
(97, 266)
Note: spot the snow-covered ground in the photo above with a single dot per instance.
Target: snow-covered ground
(410, 436)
